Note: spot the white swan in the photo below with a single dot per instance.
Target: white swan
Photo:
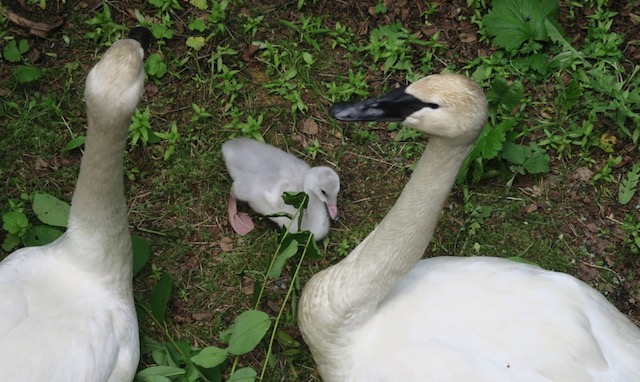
(261, 173)
(381, 314)
(66, 309)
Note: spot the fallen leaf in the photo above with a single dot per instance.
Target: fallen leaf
(582, 173)
(201, 316)
(226, 244)
(309, 126)
(250, 52)
(247, 286)
(586, 273)
(531, 208)
(41, 164)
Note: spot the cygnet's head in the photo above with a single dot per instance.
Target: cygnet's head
(115, 84)
(324, 183)
(449, 106)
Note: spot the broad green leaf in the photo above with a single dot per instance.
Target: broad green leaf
(248, 330)
(50, 210)
(504, 96)
(11, 52)
(25, 74)
(281, 258)
(41, 235)
(160, 297)
(200, 4)
(514, 153)
(195, 42)
(246, 374)
(141, 252)
(537, 164)
(197, 25)
(210, 357)
(14, 222)
(296, 199)
(75, 143)
(512, 22)
(10, 242)
(165, 371)
(629, 184)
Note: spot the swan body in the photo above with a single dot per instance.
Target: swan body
(382, 314)
(66, 309)
(261, 173)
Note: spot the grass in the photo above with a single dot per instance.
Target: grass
(207, 83)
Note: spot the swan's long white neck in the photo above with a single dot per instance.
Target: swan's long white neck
(353, 288)
(98, 207)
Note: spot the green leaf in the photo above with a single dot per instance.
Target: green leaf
(197, 25)
(155, 66)
(210, 357)
(281, 258)
(513, 22)
(629, 184)
(164, 371)
(248, 330)
(246, 374)
(141, 252)
(160, 297)
(11, 52)
(75, 143)
(50, 210)
(514, 153)
(195, 42)
(10, 242)
(200, 4)
(505, 96)
(14, 222)
(41, 235)
(308, 58)
(296, 199)
(537, 164)
(25, 74)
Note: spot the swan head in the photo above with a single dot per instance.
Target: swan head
(324, 183)
(115, 84)
(449, 106)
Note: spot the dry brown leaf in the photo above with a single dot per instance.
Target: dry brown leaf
(226, 244)
(309, 126)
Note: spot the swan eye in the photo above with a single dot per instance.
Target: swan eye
(431, 105)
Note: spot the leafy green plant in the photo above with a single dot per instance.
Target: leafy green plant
(251, 128)
(171, 138)
(140, 128)
(629, 184)
(518, 25)
(390, 44)
(155, 67)
(106, 31)
(531, 159)
(50, 211)
(14, 50)
(606, 171)
(631, 225)
(503, 99)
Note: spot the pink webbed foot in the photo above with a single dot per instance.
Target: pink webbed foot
(240, 221)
